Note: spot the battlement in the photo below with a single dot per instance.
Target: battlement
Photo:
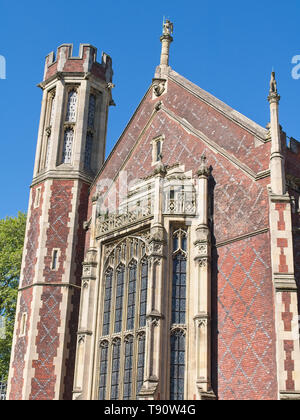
(63, 61)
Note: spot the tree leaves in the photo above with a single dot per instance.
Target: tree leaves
(12, 231)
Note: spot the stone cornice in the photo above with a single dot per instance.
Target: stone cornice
(58, 173)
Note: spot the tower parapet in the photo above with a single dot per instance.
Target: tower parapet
(64, 61)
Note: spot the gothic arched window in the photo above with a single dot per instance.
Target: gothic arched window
(123, 308)
(179, 277)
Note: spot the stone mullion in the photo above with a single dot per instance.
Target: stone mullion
(154, 302)
(202, 278)
(45, 134)
(41, 132)
(82, 373)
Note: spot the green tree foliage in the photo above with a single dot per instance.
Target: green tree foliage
(12, 231)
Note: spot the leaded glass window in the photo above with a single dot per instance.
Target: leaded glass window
(143, 293)
(115, 369)
(88, 151)
(179, 276)
(128, 365)
(103, 369)
(119, 298)
(178, 316)
(123, 309)
(71, 106)
(48, 151)
(91, 114)
(177, 366)
(140, 363)
(107, 301)
(131, 295)
(68, 146)
(179, 289)
(52, 114)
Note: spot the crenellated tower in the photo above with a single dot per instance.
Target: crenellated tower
(70, 151)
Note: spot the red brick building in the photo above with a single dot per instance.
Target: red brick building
(170, 270)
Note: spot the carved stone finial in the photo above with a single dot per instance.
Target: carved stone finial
(167, 27)
(273, 93)
(273, 83)
(166, 39)
(203, 170)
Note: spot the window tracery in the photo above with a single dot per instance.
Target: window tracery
(125, 283)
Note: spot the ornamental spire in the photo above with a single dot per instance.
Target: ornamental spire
(166, 40)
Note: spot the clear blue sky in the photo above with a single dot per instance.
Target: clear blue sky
(226, 47)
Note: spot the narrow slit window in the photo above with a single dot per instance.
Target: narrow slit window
(54, 264)
(23, 324)
(158, 150)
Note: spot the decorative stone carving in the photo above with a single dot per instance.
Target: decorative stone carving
(153, 319)
(273, 93)
(203, 170)
(159, 86)
(203, 262)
